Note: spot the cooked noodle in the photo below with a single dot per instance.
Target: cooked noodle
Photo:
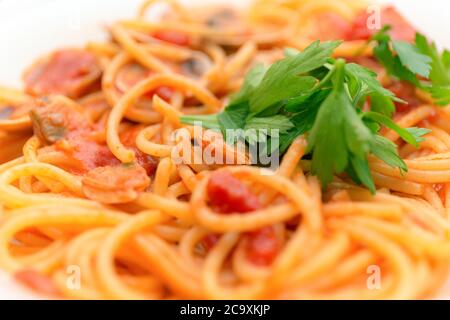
(161, 238)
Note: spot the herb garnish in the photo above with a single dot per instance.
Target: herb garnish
(419, 63)
(311, 93)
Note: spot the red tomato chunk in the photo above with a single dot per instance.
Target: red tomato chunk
(262, 246)
(69, 72)
(173, 37)
(401, 28)
(227, 194)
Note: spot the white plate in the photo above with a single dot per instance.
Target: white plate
(29, 28)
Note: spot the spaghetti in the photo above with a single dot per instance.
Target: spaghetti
(93, 206)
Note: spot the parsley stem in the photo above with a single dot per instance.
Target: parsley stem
(326, 79)
(340, 72)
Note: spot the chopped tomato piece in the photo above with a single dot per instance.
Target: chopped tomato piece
(210, 241)
(164, 93)
(262, 246)
(359, 30)
(173, 37)
(401, 28)
(114, 185)
(70, 72)
(87, 154)
(37, 282)
(435, 116)
(228, 194)
(94, 155)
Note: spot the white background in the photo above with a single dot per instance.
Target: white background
(29, 28)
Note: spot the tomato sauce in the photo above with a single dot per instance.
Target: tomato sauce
(262, 246)
(128, 138)
(69, 72)
(61, 123)
(401, 28)
(88, 154)
(115, 184)
(174, 37)
(227, 194)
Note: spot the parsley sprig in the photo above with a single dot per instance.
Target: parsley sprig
(418, 63)
(310, 93)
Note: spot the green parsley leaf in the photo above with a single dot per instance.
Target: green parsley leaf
(252, 81)
(337, 131)
(418, 133)
(304, 101)
(233, 117)
(290, 52)
(446, 59)
(278, 122)
(440, 70)
(386, 151)
(303, 122)
(441, 94)
(286, 78)
(361, 169)
(362, 75)
(393, 64)
(439, 74)
(382, 104)
(387, 122)
(373, 126)
(412, 59)
(209, 121)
